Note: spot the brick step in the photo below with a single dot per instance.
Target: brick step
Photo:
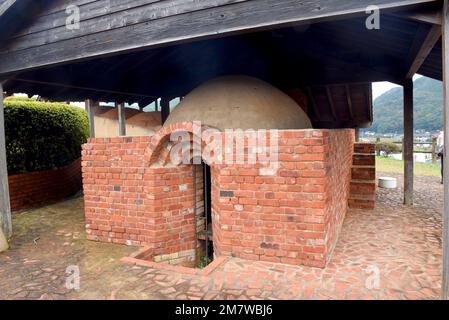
(363, 181)
(360, 166)
(371, 197)
(361, 204)
(364, 154)
(363, 159)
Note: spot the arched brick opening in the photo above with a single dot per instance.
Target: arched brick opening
(160, 161)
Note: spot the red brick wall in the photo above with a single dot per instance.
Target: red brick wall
(338, 173)
(363, 180)
(116, 206)
(293, 216)
(128, 202)
(34, 189)
(133, 196)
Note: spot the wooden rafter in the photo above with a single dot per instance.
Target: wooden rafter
(316, 111)
(349, 99)
(331, 102)
(145, 29)
(430, 15)
(417, 60)
(5, 207)
(61, 85)
(445, 236)
(6, 5)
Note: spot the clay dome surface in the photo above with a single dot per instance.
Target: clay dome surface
(240, 102)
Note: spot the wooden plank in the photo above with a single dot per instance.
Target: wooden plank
(5, 207)
(121, 119)
(408, 143)
(98, 90)
(105, 15)
(6, 5)
(315, 109)
(445, 215)
(56, 16)
(426, 47)
(429, 16)
(61, 5)
(229, 19)
(91, 113)
(349, 100)
(369, 98)
(331, 102)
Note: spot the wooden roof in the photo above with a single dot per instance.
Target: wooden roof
(143, 49)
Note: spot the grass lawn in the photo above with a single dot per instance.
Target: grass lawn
(397, 166)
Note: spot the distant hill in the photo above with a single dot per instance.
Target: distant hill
(428, 104)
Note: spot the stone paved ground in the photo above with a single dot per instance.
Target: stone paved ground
(402, 246)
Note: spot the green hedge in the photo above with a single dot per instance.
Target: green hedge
(42, 135)
(387, 147)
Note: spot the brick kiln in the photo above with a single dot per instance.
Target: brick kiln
(136, 195)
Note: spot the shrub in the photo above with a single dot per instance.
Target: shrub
(387, 148)
(41, 135)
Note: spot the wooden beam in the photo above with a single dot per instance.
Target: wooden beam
(147, 29)
(408, 143)
(6, 5)
(331, 102)
(5, 206)
(91, 113)
(349, 100)
(429, 16)
(369, 99)
(165, 109)
(121, 119)
(433, 35)
(98, 90)
(316, 111)
(445, 236)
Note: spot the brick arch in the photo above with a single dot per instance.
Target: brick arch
(158, 151)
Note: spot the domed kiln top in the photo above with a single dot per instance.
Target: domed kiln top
(240, 102)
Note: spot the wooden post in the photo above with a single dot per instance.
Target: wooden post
(408, 142)
(165, 109)
(5, 206)
(90, 111)
(357, 134)
(434, 150)
(445, 237)
(121, 119)
(402, 149)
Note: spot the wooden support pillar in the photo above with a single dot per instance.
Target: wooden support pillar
(5, 206)
(165, 109)
(357, 134)
(408, 142)
(91, 113)
(121, 119)
(445, 236)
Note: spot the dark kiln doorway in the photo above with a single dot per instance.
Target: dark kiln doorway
(203, 214)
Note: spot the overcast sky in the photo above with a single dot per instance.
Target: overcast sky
(380, 88)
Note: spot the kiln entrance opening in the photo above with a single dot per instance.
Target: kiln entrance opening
(203, 214)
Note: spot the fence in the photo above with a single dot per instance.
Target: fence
(433, 149)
